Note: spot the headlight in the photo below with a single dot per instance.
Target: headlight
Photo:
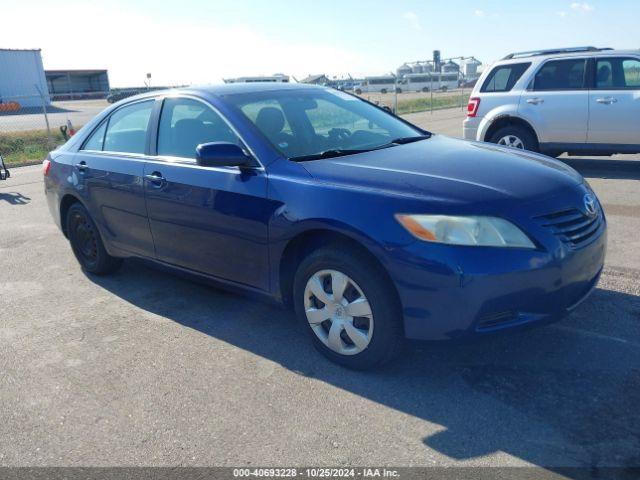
(476, 231)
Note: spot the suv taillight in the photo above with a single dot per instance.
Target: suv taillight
(472, 106)
(46, 166)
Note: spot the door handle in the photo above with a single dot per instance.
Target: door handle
(607, 100)
(535, 101)
(156, 179)
(82, 166)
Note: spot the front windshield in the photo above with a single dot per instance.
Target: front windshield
(305, 124)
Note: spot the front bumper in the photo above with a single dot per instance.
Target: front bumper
(471, 291)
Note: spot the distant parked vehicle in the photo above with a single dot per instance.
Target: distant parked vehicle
(582, 101)
(378, 84)
(118, 95)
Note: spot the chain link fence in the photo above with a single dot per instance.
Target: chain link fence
(33, 125)
(404, 102)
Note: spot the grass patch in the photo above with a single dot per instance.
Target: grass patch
(23, 148)
(424, 104)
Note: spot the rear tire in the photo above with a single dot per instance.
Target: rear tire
(517, 137)
(86, 242)
(363, 288)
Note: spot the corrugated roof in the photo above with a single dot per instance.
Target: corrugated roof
(20, 49)
(76, 71)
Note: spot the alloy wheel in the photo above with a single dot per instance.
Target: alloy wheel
(511, 141)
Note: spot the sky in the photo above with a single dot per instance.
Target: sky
(203, 41)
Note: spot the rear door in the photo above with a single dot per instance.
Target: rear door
(614, 101)
(110, 168)
(209, 219)
(556, 103)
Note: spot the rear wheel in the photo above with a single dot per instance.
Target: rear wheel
(515, 136)
(86, 243)
(348, 307)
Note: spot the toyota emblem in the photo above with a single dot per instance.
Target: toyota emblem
(589, 204)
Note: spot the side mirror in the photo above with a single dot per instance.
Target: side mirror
(221, 154)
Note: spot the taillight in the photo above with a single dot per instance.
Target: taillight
(472, 106)
(46, 166)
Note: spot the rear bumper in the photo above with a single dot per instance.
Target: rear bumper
(474, 291)
(470, 128)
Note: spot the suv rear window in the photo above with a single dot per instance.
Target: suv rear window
(617, 74)
(502, 78)
(561, 75)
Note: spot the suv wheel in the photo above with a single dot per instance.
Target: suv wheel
(515, 137)
(348, 307)
(86, 243)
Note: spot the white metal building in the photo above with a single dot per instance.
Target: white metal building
(22, 78)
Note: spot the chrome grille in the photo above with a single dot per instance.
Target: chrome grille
(572, 226)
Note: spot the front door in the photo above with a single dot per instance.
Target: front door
(614, 102)
(206, 219)
(557, 103)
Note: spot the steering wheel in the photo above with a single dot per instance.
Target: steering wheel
(339, 134)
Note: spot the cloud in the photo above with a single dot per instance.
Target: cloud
(480, 13)
(582, 7)
(413, 20)
(174, 51)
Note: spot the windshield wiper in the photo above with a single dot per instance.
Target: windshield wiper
(331, 153)
(341, 152)
(403, 140)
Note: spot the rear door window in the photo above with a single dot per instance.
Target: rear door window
(127, 129)
(502, 78)
(617, 74)
(96, 140)
(561, 75)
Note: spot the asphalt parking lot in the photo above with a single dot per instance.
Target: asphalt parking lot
(145, 368)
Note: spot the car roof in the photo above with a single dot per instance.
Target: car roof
(538, 57)
(231, 88)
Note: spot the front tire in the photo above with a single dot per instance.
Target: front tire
(349, 307)
(86, 242)
(515, 136)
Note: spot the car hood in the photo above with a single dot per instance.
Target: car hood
(446, 169)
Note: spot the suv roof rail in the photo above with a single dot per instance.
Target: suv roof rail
(552, 51)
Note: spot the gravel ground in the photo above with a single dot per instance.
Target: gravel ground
(145, 368)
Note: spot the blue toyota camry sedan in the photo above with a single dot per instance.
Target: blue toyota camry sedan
(372, 229)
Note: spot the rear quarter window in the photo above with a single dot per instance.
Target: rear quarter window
(503, 77)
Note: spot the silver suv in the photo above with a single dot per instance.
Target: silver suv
(582, 101)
